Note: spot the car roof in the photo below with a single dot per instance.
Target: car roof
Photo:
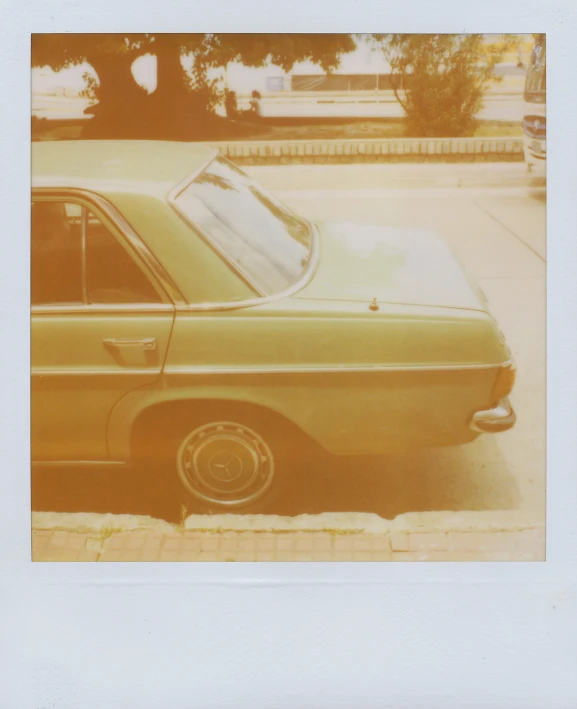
(110, 166)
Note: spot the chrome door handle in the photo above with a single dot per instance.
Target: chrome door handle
(148, 343)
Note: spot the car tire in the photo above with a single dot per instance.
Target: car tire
(222, 461)
(227, 465)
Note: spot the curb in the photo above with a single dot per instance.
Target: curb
(441, 183)
(525, 181)
(420, 536)
(94, 523)
(337, 522)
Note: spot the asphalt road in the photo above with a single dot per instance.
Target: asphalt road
(500, 236)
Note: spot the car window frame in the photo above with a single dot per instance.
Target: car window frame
(259, 297)
(169, 296)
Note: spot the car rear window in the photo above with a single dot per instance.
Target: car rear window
(267, 243)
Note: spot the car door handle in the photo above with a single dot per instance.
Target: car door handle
(148, 343)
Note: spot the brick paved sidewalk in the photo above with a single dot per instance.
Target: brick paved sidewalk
(416, 537)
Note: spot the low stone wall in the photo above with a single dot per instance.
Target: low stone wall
(374, 150)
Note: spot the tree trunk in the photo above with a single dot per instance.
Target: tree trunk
(125, 110)
(170, 79)
(174, 110)
(118, 95)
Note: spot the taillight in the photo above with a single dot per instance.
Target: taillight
(504, 382)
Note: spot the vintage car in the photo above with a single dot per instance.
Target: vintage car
(185, 320)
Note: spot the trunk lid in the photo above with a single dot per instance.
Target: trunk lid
(361, 262)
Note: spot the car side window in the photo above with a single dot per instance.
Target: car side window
(56, 253)
(112, 275)
(76, 259)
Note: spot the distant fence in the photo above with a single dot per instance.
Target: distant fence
(373, 150)
(372, 104)
(368, 82)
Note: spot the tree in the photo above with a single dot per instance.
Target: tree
(182, 103)
(439, 79)
(110, 55)
(283, 50)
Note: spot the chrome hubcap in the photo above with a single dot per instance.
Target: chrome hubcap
(225, 463)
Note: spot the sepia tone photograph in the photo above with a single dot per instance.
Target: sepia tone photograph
(288, 297)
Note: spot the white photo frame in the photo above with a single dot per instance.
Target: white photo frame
(290, 635)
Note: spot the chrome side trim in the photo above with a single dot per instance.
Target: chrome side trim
(200, 370)
(300, 283)
(102, 308)
(80, 463)
(84, 223)
(185, 182)
(169, 289)
(94, 372)
(217, 371)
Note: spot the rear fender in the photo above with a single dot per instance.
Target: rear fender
(349, 413)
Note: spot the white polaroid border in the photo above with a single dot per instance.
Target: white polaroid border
(84, 636)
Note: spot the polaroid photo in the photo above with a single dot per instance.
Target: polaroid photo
(287, 292)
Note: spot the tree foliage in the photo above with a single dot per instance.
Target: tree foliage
(439, 79)
(181, 100)
(212, 50)
(283, 50)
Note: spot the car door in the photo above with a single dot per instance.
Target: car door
(100, 326)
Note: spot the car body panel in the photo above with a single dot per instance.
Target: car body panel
(110, 167)
(300, 333)
(345, 412)
(77, 379)
(136, 177)
(181, 250)
(362, 262)
(384, 343)
(351, 379)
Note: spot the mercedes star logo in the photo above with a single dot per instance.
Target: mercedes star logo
(225, 467)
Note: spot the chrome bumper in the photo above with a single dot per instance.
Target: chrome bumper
(500, 418)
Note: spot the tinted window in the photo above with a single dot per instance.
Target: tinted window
(56, 253)
(112, 276)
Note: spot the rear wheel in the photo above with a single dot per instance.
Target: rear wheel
(215, 459)
(225, 464)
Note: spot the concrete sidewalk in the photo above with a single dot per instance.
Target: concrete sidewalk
(428, 536)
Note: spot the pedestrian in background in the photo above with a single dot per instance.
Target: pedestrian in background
(255, 105)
